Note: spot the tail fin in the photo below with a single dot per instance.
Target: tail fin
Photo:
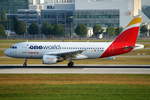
(126, 40)
(130, 33)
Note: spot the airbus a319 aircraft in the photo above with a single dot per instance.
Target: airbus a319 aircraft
(54, 52)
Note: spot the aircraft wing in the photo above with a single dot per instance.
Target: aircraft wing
(66, 54)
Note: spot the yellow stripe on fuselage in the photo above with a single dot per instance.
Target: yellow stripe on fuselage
(135, 21)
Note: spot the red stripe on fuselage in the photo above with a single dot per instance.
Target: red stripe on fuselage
(125, 39)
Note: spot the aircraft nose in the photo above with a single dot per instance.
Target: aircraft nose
(7, 52)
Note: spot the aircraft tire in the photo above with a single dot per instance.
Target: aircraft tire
(71, 64)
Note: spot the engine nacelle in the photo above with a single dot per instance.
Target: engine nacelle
(50, 59)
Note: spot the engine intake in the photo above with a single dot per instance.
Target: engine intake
(50, 59)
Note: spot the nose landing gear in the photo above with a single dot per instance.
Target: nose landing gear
(25, 63)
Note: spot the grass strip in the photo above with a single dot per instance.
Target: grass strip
(71, 87)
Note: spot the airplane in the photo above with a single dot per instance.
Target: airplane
(54, 52)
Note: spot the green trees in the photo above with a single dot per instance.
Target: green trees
(97, 29)
(81, 30)
(118, 30)
(2, 30)
(19, 27)
(3, 16)
(144, 29)
(53, 30)
(58, 30)
(110, 31)
(46, 29)
(114, 31)
(33, 29)
(3, 19)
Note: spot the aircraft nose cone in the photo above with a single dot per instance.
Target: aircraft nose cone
(6, 52)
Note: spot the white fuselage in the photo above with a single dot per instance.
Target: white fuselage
(38, 49)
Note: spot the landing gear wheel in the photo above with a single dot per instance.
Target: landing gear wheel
(71, 64)
(25, 63)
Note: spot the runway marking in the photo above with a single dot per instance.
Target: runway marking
(74, 71)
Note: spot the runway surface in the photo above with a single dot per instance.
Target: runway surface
(78, 69)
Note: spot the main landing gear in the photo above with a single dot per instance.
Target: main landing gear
(71, 64)
(25, 63)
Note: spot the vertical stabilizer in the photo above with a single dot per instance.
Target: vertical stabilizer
(126, 40)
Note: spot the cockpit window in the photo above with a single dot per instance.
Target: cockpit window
(13, 47)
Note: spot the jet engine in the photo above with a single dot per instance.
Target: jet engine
(51, 59)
